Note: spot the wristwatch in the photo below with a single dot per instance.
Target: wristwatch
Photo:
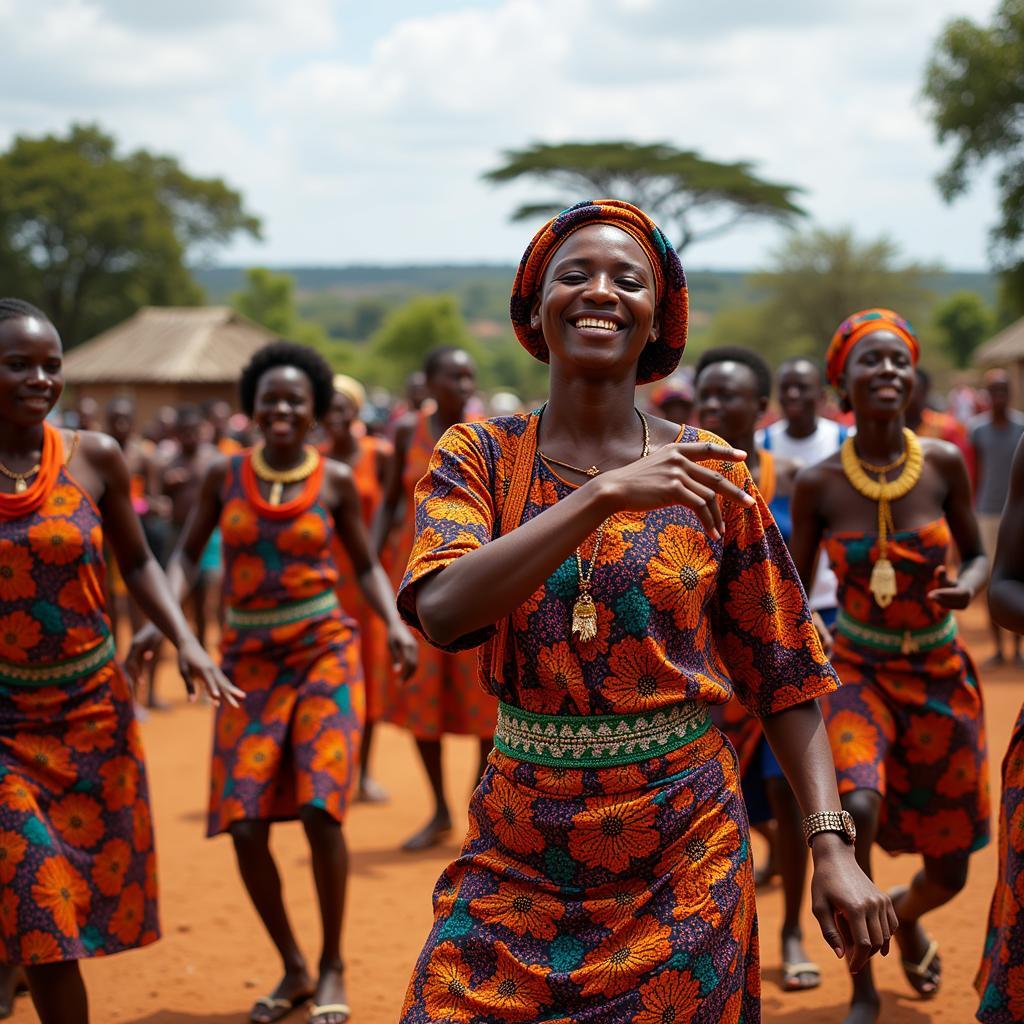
(830, 821)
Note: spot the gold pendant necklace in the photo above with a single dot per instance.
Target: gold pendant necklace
(584, 610)
(883, 574)
(20, 479)
(593, 471)
(279, 478)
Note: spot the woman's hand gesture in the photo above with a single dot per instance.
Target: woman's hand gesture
(856, 918)
(948, 592)
(404, 650)
(673, 475)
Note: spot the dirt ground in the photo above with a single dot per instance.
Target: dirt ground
(214, 958)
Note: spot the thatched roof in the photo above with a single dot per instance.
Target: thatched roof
(1005, 348)
(169, 345)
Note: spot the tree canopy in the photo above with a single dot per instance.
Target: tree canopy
(975, 85)
(90, 235)
(690, 197)
(963, 322)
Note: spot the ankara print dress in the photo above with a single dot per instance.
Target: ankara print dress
(294, 741)
(443, 695)
(907, 723)
(373, 632)
(1000, 980)
(611, 894)
(77, 864)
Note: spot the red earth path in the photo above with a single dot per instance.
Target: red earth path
(214, 958)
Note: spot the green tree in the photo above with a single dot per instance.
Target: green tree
(410, 332)
(975, 85)
(690, 197)
(90, 235)
(963, 322)
(269, 299)
(816, 280)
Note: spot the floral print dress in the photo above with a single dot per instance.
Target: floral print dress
(294, 741)
(1000, 980)
(910, 726)
(625, 893)
(77, 864)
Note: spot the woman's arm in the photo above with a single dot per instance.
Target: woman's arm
(808, 525)
(1006, 590)
(384, 521)
(490, 582)
(959, 511)
(142, 575)
(373, 580)
(856, 919)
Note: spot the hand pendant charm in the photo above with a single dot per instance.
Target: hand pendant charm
(584, 618)
(883, 582)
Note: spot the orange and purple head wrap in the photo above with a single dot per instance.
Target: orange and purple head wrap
(661, 356)
(861, 324)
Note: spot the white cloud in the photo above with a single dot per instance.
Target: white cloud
(377, 156)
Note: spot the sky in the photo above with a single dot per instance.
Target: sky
(358, 133)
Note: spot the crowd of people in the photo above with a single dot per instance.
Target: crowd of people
(665, 618)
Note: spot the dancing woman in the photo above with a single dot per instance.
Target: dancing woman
(77, 865)
(444, 696)
(733, 389)
(369, 458)
(292, 749)
(606, 872)
(906, 728)
(1002, 967)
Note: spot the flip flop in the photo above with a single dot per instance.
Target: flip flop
(326, 1009)
(921, 970)
(277, 1007)
(791, 975)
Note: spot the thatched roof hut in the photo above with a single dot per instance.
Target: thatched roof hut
(1006, 350)
(166, 356)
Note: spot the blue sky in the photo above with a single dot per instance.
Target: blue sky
(359, 132)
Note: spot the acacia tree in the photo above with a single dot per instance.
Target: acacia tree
(975, 85)
(692, 198)
(90, 235)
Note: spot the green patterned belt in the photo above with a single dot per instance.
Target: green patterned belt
(597, 741)
(897, 641)
(283, 614)
(56, 673)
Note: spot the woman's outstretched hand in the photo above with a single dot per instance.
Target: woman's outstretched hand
(404, 650)
(673, 475)
(856, 918)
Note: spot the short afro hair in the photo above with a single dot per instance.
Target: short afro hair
(746, 357)
(17, 309)
(288, 353)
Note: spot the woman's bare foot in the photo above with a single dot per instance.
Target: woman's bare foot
(430, 835)
(799, 972)
(863, 1010)
(372, 792)
(919, 953)
(330, 1004)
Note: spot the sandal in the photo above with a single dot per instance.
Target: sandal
(277, 1007)
(318, 1014)
(923, 972)
(791, 974)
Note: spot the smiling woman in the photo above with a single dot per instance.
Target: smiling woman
(73, 793)
(606, 872)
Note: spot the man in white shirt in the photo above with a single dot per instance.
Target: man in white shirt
(806, 438)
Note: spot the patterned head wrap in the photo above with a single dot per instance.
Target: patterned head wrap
(660, 357)
(351, 389)
(861, 324)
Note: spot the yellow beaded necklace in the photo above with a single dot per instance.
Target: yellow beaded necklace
(883, 575)
(278, 478)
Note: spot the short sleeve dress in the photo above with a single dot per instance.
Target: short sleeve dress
(612, 883)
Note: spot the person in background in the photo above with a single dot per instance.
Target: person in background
(218, 416)
(994, 437)
(674, 398)
(87, 414)
(444, 696)
(928, 422)
(1002, 966)
(179, 480)
(907, 727)
(733, 388)
(369, 458)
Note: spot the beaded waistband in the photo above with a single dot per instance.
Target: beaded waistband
(56, 673)
(898, 641)
(597, 741)
(283, 614)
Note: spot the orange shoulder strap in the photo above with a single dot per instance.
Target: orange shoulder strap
(766, 484)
